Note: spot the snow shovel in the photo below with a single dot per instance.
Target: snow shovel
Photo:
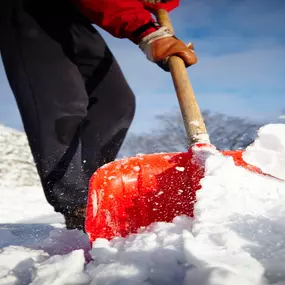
(129, 194)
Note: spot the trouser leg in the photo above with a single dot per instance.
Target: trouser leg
(107, 121)
(111, 105)
(74, 101)
(52, 100)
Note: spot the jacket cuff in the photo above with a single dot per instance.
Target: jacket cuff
(144, 31)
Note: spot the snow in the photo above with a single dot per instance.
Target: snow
(268, 151)
(237, 236)
(195, 123)
(202, 138)
(179, 168)
(17, 167)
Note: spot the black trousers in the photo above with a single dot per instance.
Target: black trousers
(75, 103)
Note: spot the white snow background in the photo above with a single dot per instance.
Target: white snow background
(236, 238)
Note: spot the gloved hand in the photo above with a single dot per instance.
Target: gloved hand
(158, 46)
(154, 5)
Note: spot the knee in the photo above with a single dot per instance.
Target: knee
(67, 128)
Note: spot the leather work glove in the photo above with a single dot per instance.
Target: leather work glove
(154, 5)
(158, 46)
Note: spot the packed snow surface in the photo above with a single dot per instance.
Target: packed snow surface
(236, 238)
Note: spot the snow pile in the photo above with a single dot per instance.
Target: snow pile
(36, 267)
(237, 236)
(16, 163)
(268, 152)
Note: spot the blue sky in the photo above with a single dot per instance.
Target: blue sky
(241, 68)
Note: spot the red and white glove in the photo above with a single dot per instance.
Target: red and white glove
(158, 46)
(154, 5)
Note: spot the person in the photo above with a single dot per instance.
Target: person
(75, 103)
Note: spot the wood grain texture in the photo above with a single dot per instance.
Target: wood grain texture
(192, 117)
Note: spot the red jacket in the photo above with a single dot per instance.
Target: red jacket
(121, 18)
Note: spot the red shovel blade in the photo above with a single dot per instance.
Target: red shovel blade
(128, 194)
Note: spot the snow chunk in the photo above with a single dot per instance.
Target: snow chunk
(155, 256)
(268, 150)
(58, 270)
(17, 264)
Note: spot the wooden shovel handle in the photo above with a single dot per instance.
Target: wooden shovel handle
(192, 117)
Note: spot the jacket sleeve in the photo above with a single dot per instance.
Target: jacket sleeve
(121, 18)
